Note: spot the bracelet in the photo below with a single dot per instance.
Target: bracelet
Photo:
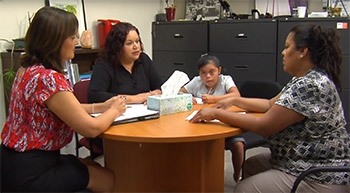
(93, 108)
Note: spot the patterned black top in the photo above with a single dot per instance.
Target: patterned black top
(321, 138)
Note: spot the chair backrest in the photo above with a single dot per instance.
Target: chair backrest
(80, 90)
(260, 89)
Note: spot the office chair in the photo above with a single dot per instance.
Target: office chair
(317, 170)
(257, 89)
(80, 91)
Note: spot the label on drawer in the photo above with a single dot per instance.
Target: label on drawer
(342, 25)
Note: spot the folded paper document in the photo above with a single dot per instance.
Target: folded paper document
(134, 112)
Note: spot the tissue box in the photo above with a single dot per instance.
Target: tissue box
(170, 104)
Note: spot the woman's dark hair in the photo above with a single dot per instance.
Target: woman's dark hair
(115, 41)
(48, 30)
(324, 48)
(205, 59)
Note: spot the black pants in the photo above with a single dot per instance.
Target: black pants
(41, 171)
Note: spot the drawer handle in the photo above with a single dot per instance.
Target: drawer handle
(178, 64)
(241, 67)
(178, 36)
(241, 36)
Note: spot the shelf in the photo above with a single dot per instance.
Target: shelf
(88, 51)
(85, 58)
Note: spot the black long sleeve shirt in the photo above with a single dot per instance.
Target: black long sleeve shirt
(110, 80)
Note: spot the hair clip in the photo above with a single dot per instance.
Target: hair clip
(204, 54)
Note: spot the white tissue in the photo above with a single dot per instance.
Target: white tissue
(174, 83)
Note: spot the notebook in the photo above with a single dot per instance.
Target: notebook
(134, 112)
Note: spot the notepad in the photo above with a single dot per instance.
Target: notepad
(134, 112)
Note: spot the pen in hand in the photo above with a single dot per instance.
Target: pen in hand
(209, 91)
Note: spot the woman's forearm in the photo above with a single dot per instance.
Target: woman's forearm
(252, 104)
(95, 107)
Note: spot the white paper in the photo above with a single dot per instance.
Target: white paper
(174, 83)
(199, 100)
(189, 117)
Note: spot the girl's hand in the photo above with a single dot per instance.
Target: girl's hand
(194, 101)
(208, 99)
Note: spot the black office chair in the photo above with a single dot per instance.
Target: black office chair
(257, 89)
(317, 170)
(80, 91)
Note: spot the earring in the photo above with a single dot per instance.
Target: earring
(301, 55)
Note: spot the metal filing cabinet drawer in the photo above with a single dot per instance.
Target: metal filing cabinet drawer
(180, 36)
(244, 67)
(243, 36)
(285, 25)
(246, 48)
(178, 45)
(167, 62)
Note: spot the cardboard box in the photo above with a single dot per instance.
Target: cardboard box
(170, 104)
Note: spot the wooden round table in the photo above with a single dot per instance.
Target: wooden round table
(168, 154)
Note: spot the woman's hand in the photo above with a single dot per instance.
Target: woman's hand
(151, 93)
(110, 101)
(224, 103)
(156, 92)
(205, 114)
(117, 103)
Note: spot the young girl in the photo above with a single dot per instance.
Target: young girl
(212, 86)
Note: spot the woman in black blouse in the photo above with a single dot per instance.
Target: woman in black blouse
(123, 68)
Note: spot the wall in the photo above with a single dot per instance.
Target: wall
(245, 6)
(139, 12)
(13, 25)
